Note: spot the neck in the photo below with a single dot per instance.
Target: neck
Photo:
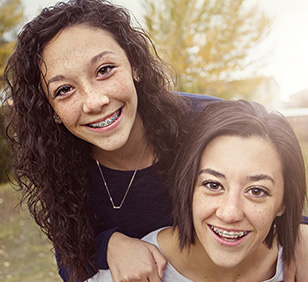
(127, 156)
(259, 267)
(196, 265)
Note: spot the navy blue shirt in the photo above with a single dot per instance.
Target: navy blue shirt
(146, 207)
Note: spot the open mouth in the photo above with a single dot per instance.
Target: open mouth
(230, 236)
(108, 121)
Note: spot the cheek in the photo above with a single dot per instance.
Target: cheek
(203, 207)
(124, 90)
(122, 84)
(262, 219)
(68, 112)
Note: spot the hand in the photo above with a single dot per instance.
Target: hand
(297, 270)
(131, 259)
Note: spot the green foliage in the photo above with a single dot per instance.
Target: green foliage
(11, 15)
(207, 41)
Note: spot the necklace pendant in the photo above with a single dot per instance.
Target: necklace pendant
(129, 185)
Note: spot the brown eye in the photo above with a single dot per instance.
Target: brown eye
(212, 185)
(63, 90)
(257, 192)
(104, 70)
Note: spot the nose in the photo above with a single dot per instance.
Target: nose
(94, 100)
(230, 209)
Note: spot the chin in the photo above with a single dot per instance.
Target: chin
(227, 262)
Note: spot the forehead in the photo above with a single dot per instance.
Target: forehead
(79, 41)
(243, 154)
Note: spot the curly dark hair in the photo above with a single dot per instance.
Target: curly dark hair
(245, 119)
(51, 164)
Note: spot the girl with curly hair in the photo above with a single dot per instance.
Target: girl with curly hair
(94, 131)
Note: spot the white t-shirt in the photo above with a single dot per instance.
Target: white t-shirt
(172, 275)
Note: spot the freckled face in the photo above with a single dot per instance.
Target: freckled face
(91, 86)
(238, 194)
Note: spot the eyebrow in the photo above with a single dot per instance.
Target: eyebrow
(92, 61)
(212, 172)
(257, 177)
(261, 177)
(55, 78)
(102, 54)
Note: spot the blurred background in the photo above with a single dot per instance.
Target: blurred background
(249, 49)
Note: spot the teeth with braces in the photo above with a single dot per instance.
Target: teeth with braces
(106, 122)
(228, 235)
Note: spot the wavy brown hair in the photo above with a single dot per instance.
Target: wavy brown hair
(244, 119)
(51, 164)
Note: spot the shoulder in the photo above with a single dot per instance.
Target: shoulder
(198, 97)
(152, 236)
(279, 268)
(170, 273)
(197, 101)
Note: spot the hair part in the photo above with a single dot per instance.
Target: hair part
(244, 119)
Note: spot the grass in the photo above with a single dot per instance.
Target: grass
(25, 253)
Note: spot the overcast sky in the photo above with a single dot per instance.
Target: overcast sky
(287, 44)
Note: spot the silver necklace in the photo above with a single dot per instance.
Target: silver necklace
(129, 185)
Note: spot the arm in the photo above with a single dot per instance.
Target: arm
(131, 259)
(101, 244)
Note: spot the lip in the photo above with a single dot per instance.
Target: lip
(120, 110)
(232, 238)
(108, 127)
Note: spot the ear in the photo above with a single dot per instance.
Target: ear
(136, 76)
(135, 73)
(56, 118)
(281, 210)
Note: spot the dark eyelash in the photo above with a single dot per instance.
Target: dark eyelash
(110, 67)
(260, 190)
(57, 93)
(214, 183)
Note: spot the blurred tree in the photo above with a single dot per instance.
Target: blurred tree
(207, 41)
(11, 15)
(5, 152)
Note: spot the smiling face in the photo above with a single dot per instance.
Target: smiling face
(91, 86)
(238, 193)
